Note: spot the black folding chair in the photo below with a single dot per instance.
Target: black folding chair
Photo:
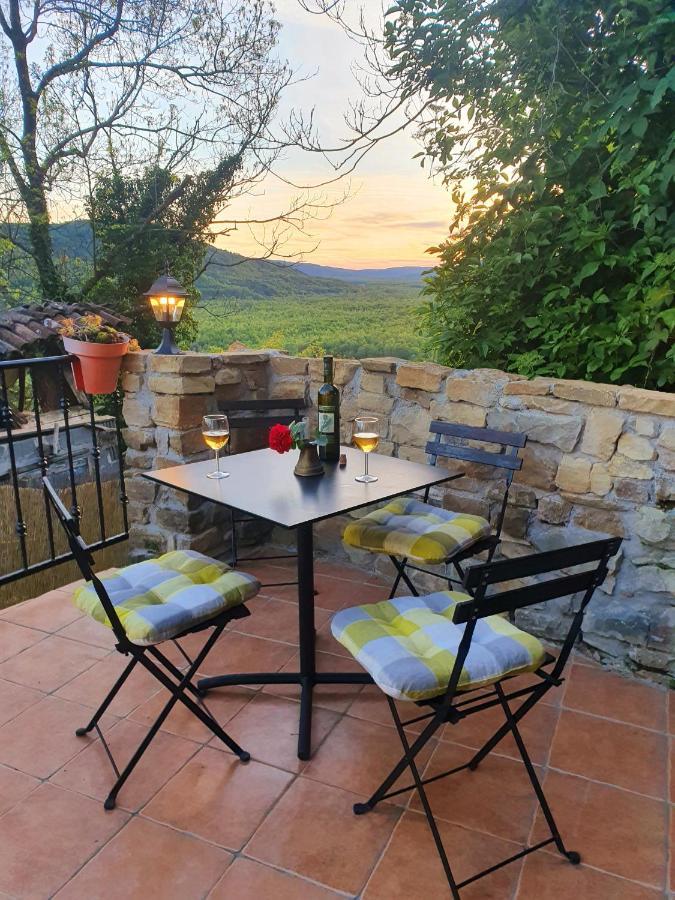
(179, 683)
(250, 421)
(506, 458)
(454, 704)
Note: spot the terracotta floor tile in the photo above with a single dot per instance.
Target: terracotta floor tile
(268, 729)
(549, 877)
(48, 612)
(14, 786)
(223, 704)
(249, 880)
(410, 868)
(47, 837)
(42, 738)
(337, 697)
(236, 652)
(613, 830)
(218, 798)
(51, 663)
(90, 772)
(92, 686)
(327, 643)
(602, 693)
(537, 729)
(313, 831)
(15, 638)
(14, 698)
(612, 752)
(671, 712)
(88, 631)
(497, 798)
(275, 619)
(371, 704)
(358, 755)
(147, 860)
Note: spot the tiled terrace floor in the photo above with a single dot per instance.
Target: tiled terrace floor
(193, 822)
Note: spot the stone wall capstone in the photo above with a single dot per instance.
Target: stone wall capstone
(600, 460)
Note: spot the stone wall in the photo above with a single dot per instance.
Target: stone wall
(600, 459)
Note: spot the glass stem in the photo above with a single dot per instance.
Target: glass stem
(366, 455)
(217, 460)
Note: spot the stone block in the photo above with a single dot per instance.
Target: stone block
(665, 489)
(599, 520)
(645, 425)
(289, 365)
(139, 438)
(458, 413)
(131, 382)
(660, 403)
(636, 447)
(381, 363)
(545, 404)
(466, 503)
(537, 387)
(540, 464)
(623, 467)
(178, 412)
(472, 390)
(553, 509)
(182, 384)
(288, 389)
(634, 491)
(228, 375)
(140, 489)
(585, 392)
(603, 427)
(653, 525)
(245, 357)
(187, 443)
(601, 480)
(654, 578)
(423, 376)
(667, 459)
(516, 520)
(414, 454)
(420, 398)
(409, 425)
(372, 382)
(375, 403)
(574, 474)
(136, 362)
(255, 377)
(182, 364)
(544, 428)
(343, 370)
(138, 459)
(666, 439)
(136, 412)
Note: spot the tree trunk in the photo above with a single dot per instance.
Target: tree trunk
(51, 284)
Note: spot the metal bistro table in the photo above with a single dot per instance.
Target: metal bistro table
(262, 484)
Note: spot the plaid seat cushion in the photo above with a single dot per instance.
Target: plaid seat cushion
(160, 598)
(409, 528)
(409, 645)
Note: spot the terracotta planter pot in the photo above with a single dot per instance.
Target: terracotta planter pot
(97, 366)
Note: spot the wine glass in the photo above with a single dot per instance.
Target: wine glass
(216, 434)
(366, 436)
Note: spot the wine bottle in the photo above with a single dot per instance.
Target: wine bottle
(329, 414)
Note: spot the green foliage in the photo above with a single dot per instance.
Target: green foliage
(554, 124)
(365, 321)
(136, 252)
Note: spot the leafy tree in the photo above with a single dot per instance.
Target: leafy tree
(552, 120)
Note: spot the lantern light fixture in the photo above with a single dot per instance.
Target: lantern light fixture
(167, 299)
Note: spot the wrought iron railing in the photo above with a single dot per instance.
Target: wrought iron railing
(48, 427)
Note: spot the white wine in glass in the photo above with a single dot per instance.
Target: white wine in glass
(216, 434)
(366, 436)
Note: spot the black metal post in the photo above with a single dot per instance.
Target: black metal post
(307, 636)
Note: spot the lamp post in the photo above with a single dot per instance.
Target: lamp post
(167, 299)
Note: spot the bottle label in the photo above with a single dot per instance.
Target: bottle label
(326, 422)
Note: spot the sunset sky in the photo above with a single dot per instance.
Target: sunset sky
(393, 212)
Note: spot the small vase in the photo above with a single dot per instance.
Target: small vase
(96, 367)
(308, 463)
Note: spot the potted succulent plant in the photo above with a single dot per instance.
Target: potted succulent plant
(98, 350)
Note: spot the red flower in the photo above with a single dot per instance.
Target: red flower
(280, 438)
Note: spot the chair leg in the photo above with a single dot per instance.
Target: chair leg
(108, 700)
(505, 729)
(233, 528)
(399, 565)
(571, 855)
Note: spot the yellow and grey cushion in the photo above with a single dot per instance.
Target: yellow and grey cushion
(409, 528)
(409, 645)
(160, 598)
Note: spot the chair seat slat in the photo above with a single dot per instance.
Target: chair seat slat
(473, 454)
(475, 433)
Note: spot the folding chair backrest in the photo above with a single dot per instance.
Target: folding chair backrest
(593, 556)
(253, 418)
(506, 458)
(83, 556)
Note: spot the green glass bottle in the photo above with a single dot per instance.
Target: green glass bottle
(329, 414)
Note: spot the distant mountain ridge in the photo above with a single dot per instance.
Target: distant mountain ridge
(401, 274)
